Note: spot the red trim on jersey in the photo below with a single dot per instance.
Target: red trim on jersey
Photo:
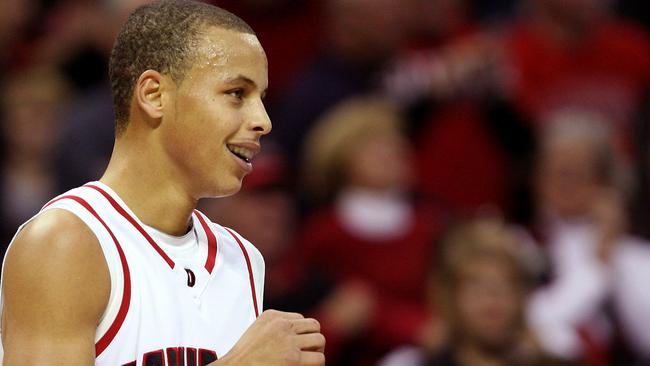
(133, 222)
(110, 334)
(250, 270)
(212, 243)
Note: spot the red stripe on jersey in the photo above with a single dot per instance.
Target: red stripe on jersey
(110, 334)
(212, 243)
(133, 222)
(250, 270)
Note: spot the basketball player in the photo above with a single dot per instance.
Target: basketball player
(124, 271)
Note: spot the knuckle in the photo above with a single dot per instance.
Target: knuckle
(315, 323)
(269, 313)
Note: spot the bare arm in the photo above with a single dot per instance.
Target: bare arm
(56, 286)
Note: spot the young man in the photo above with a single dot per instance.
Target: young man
(124, 271)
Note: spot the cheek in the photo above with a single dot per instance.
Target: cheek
(468, 304)
(201, 124)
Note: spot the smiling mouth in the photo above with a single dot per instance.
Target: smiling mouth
(241, 152)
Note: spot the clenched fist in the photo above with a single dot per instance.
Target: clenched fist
(278, 339)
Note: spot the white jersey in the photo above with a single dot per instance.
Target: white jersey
(168, 305)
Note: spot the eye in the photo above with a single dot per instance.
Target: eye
(237, 93)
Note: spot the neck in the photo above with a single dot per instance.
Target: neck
(149, 187)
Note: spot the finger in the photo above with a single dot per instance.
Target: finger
(302, 326)
(311, 342)
(312, 359)
(282, 315)
(290, 316)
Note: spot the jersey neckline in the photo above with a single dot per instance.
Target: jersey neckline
(120, 206)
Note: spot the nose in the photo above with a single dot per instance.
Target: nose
(260, 121)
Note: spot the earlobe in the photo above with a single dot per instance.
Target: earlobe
(148, 94)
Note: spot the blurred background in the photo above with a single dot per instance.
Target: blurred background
(448, 182)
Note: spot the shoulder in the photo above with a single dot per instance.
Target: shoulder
(55, 261)
(231, 237)
(235, 242)
(56, 232)
(55, 240)
(242, 242)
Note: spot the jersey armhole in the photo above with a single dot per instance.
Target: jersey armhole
(257, 267)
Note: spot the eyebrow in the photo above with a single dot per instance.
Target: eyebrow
(243, 78)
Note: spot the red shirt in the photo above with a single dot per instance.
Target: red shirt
(395, 270)
(607, 71)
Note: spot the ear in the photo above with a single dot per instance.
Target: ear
(148, 94)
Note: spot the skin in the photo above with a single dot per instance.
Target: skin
(380, 162)
(50, 315)
(567, 178)
(488, 304)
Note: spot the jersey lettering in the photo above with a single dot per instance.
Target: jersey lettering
(176, 356)
(206, 357)
(191, 278)
(191, 357)
(154, 358)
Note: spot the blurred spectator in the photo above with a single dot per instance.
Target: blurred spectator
(361, 36)
(640, 205)
(448, 54)
(473, 152)
(438, 22)
(473, 147)
(14, 16)
(86, 141)
(370, 238)
(87, 30)
(31, 99)
(577, 53)
(491, 90)
(598, 289)
(480, 285)
(476, 156)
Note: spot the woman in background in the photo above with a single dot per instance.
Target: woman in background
(367, 235)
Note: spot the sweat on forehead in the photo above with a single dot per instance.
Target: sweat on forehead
(161, 36)
(216, 46)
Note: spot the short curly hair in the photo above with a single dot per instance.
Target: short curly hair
(160, 36)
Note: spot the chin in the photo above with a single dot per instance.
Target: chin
(231, 192)
(220, 189)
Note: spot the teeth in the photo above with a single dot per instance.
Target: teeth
(242, 152)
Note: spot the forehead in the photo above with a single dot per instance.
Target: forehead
(482, 267)
(224, 53)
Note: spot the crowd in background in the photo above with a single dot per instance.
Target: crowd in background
(448, 182)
